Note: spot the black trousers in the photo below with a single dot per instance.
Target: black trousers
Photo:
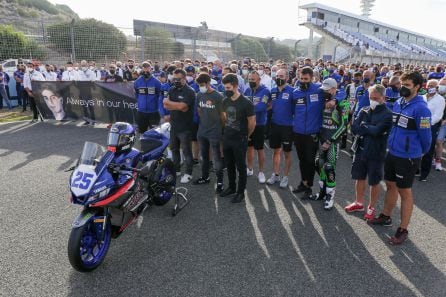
(33, 106)
(147, 120)
(306, 148)
(426, 161)
(234, 151)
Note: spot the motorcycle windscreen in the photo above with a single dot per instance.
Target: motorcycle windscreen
(91, 154)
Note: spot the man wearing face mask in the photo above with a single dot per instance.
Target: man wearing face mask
(436, 105)
(372, 127)
(362, 93)
(190, 78)
(157, 72)
(281, 127)
(265, 79)
(147, 90)
(393, 91)
(438, 74)
(409, 139)
(165, 114)
(260, 96)
(112, 76)
(181, 104)
(128, 73)
(210, 110)
(69, 74)
(32, 75)
(334, 124)
(84, 73)
(18, 76)
(442, 131)
(350, 92)
(240, 122)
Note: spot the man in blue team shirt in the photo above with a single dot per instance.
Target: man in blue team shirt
(281, 132)
(362, 92)
(393, 91)
(165, 114)
(18, 76)
(148, 90)
(308, 101)
(438, 74)
(260, 96)
(409, 139)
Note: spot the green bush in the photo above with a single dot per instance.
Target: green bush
(93, 39)
(159, 44)
(249, 47)
(39, 5)
(14, 44)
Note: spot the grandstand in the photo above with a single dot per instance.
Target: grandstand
(350, 37)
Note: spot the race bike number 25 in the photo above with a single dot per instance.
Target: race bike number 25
(82, 180)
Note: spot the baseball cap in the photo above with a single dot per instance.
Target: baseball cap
(190, 69)
(328, 84)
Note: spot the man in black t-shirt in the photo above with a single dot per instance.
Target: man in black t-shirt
(180, 102)
(240, 122)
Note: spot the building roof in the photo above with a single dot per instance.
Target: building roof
(365, 19)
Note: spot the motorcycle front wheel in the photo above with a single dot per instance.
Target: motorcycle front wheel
(85, 251)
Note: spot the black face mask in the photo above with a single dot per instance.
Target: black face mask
(178, 84)
(366, 80)
(112, 71)
(304, 86)
(280, 82)
(130, 66)
(327, 96)
(252, 85)
(146, 74)
(438, 69)
(394, 89)
(157, 68)
(229, 94)
(405, 92)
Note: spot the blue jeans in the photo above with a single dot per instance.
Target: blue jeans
(5, 97)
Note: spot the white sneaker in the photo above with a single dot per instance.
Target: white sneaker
(249, 172)
(284, 182)
(261, 178)
(178, 173)
(438, 166)
(186, 179)
(273, 179)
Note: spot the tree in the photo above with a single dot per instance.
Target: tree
(249, 47)
(93, 40)
(159, 44)
(277, 51)
(14, 45)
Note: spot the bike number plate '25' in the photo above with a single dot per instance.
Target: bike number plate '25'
(83, 179)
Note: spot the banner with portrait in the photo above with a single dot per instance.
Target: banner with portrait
(93, 101)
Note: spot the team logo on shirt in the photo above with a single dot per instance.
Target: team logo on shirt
(314, 98)
(285, 96)
(425, 123)
(207, 104)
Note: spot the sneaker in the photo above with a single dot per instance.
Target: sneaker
(202, 181)
(329, 202)
(382, 220)
(438, 166)
(284, 182)
(86, 123)
(261, 178)
(301, 188)
(400, 236)
(249, 172)
(422, 179)
(219, 188)
(186, 178)
(196, 162)
(369, 214)
(308, 194)
(418, 173)
(275, 178)
(355, 206)
(178, 173)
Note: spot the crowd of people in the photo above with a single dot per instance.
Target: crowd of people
(224, 113)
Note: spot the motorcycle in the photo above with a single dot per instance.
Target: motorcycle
(115, 189)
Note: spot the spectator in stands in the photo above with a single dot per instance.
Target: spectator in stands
(240, 122)
(409, 139)
(442, 132)
(181, 104)
(371, 127)
(70, 73)
(260, 97)
(32, 75)
(436, 105)
(112, 76)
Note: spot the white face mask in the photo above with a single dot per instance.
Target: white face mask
(84, 68)
(260, 72)
(442, 89)
(245, 71)
(189, 79)
(373, 104)
(170, 77)
(273, 74)
(432, 91)
(203, 89)
(91, 68)
(69, 68)
(76, 68)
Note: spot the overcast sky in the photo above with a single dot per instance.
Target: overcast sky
(279, 19)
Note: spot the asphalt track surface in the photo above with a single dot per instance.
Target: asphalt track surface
(273, 244)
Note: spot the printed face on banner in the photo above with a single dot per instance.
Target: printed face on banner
(54, 103)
